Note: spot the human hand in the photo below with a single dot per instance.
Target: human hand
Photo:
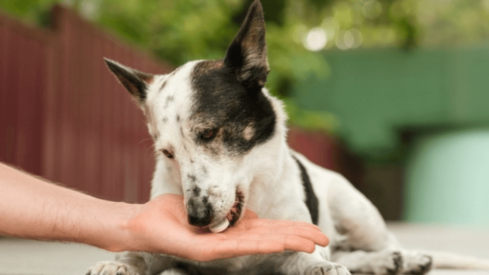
(160, 226)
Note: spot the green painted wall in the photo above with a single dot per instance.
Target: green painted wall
(448, 178)
(375, 92)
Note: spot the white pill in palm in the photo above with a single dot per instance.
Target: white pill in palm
(218, 228)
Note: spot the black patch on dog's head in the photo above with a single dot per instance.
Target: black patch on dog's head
(222, 103)
(134, 81)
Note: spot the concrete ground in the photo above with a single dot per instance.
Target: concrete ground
(25, 257)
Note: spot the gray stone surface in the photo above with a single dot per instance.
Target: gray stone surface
(26, 257)
(465, 240)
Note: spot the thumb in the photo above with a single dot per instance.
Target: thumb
(250, 214)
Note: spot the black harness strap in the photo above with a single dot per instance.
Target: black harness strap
(312, 202)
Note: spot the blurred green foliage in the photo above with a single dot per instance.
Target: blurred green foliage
(181, 30)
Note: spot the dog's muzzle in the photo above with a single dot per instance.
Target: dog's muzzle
(199, 213)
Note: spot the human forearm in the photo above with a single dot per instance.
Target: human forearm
(31, 207)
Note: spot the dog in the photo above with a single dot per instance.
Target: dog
(220, 138)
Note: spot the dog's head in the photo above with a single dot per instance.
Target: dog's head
(207, 119)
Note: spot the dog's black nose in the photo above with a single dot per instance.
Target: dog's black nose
(199, 213)
(199, 221)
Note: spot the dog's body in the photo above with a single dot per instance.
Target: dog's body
(221, 138)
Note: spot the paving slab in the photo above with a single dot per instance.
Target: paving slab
(28, 257)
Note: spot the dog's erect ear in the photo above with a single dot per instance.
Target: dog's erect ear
(247, 54)
(135, 81)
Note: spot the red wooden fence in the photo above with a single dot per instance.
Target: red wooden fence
(23, 84)
(63, 115)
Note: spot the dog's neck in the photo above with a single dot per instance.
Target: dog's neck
(276, 185)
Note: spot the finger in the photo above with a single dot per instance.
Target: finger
(250, 214)
(290, 242)
(278, 223)
(304, 232)
(271, 243)
(299, 244)
(242, 247)
(302, 229)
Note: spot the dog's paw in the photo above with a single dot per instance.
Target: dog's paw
(391, 262)
(112, 268)
(173, 271)
(416, 263)
(326, 268)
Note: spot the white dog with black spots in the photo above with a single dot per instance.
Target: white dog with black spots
(220, 139)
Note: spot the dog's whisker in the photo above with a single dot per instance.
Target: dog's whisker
(154, 154)
(143, 140)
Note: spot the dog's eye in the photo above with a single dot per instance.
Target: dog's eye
(167, 154)
(208, 134)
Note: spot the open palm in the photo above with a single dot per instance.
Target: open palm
(163, 223)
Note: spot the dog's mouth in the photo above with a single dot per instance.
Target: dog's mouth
(235, 213)
(232, 216)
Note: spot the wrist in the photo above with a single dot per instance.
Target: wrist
(132, 228)
(120, 234)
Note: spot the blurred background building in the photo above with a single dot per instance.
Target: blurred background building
(394, 94)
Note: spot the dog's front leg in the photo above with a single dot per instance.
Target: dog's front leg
(312, 264)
